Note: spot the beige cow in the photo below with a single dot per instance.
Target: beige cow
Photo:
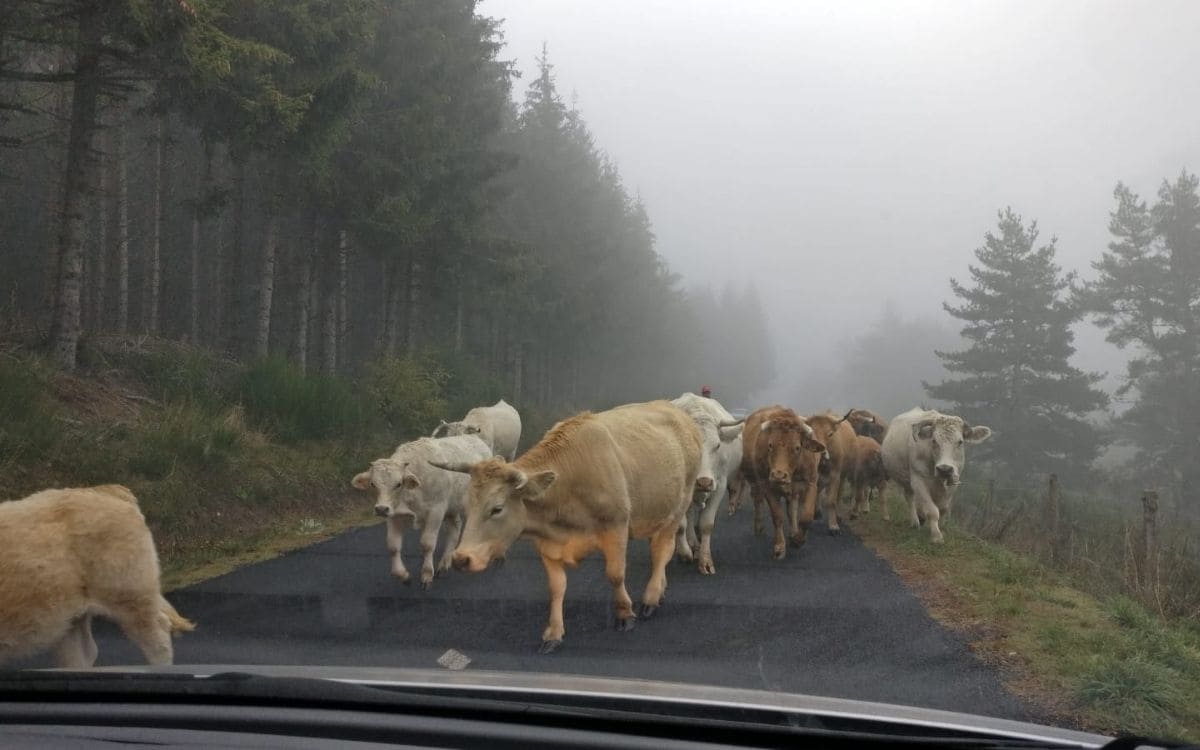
(593, 482)
(67, 555)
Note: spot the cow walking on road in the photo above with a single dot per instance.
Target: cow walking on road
(498, 425)
(593, 482)
(923, 453)
(720, 458)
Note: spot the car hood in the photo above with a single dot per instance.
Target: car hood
(515, 684)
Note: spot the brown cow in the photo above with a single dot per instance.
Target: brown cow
(780, 458)
(867, 423)
(866, 474)
(593, 482)
(838, 437)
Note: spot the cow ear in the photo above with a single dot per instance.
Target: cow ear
(728, 434)
(537, 484)
(922, 431)
(977, 434)
(410, 482)
(763, 427)
(361, 481)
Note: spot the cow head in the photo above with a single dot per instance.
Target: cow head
(453, 429)
(943, 436)
(866, 423)
(394, 484)
(713, 436)
(496, 509)
(787, 443)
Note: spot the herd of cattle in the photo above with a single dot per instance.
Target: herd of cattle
(657, 471)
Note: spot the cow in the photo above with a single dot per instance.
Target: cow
(923, 454)
(780, 461)
(409, 492)
(838, 437)
(498, 425)
(67, 555)
(594, 481)
(722, 454)
(867, 474)
(867, 423)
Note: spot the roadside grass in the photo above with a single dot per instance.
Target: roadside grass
(1107, 665)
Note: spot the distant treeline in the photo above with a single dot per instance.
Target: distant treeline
(334, 182)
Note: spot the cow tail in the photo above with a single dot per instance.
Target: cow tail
(178, 623)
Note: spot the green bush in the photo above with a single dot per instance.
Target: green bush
(186, 437)
(293, 406)
(29, 424)
(187, 375)
(407, 394)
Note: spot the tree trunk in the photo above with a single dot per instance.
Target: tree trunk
(217, 296)
(58, 140)
(100, 262)
(122, 175)
(266, 289)
(303, 282)
(194, 282)
(518, 371)
(458, 311)
(387, 338)
(329, 328)
(152, 279)
(342, 324)
(413, 306)
(234, 295)
(64, 331)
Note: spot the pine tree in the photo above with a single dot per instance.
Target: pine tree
(1146, 296)
(1016, 376)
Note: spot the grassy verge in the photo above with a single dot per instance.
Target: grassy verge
(1104, 665)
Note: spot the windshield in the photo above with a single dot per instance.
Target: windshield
(842, 349)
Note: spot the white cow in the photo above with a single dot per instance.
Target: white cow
(923, 453)
(498, 425)
(68, 555)
(410, 492)
(719, 462)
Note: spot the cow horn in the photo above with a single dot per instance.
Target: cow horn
(763, 427)
(730, 423)
(844, 418)
(460, 466)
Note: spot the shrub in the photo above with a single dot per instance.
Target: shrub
(187, 436)
(407, 394)
(29, 424)
(188, 375)
(281, 399)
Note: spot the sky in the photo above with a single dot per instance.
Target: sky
(844, 154)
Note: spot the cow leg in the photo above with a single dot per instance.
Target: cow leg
(929, 510)
(429, 536)
(683, 550)
(859, 504)
(913, 519)
(778, 518)
(690, 520)
(758, 519)
(808, 509)
(77, 649)
(453, 523)
(660, 554)
(708, 519)
(146, 625)
(613, 546)
(556, 580)
(396, 527)
(882, 499)
(833, 500)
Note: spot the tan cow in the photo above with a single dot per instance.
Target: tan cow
(67, 555)
(593, 482)
(780, 462)
(838, 437)
(866, 474)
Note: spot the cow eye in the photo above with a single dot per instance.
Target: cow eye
(770, 445)
(496, 510)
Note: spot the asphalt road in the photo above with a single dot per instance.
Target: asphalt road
(832, 619)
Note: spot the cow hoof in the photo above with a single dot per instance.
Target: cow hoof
(426, 585)
(707, 569)
(549, 647)
(625, 624)
(648, 611)
(835, 532)
(779, 552)
(853, 515)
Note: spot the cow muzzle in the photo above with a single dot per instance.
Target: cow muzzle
(780, 477)
(946, 473)
(468, 562)
(705, 484)
(383, 511)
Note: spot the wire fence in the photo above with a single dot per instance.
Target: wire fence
(1108, 544)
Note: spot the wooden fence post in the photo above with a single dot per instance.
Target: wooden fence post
(1052, 518)
(1150, 539)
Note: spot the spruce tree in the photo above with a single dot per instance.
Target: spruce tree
(1015, 376)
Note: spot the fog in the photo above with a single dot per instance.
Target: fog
(844, 156)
